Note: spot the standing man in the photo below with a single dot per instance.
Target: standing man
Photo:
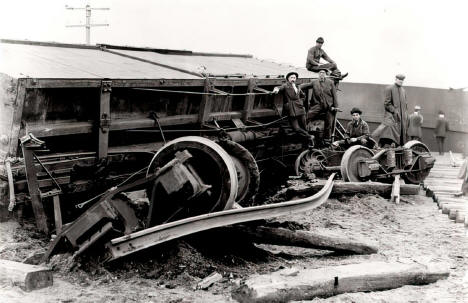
(392, 131)
(293, 103)
(313, 60)
(415, 123)
(324, 100)
(440, 131)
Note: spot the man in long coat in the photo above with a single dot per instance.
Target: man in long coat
(395, 122)
(293, 103)
(324, 100)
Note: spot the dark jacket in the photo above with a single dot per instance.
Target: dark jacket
(293, 103)
(441, 128)
(324, 93)
(313, 57)
(357, 130)
(414, 125)
(395, 120)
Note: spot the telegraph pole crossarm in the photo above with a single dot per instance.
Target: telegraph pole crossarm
(88, 24)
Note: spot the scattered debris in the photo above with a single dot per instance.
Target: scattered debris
(210, 280)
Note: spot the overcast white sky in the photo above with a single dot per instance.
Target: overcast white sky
(372, 40)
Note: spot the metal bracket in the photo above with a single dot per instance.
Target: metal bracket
(104, 122)
(106, 86)
(31, 142)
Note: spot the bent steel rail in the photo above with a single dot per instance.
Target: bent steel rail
(128, 244)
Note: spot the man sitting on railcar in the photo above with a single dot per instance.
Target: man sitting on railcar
(357, 131)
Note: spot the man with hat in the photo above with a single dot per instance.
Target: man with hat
(392, 131)
(324, 100)
(357, 130)
(415, 123)
(313, 60)
(293, 103)
(440, 131)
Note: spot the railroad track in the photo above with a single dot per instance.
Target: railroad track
(131, 243)
(444, 185)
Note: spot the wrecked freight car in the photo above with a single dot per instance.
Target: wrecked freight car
(81, 125)
(196, 132)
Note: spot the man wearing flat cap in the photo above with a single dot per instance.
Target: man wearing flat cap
(357, 131)
(415, 121)
(393, 130)
(293, 103)
(313, 60)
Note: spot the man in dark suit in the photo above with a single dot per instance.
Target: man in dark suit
(440, 131)
(415, 123)
(324, 100)
(293, 103)
(393, 129)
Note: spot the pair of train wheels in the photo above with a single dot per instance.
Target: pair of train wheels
(226, 166)
(309, 159)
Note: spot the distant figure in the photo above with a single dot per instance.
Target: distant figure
(313, 60)
(324, 100)
(293, 103)
(357, 130)
(440, 131)
(392, 131)
(415, 123)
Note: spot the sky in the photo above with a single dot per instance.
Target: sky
(371, 40)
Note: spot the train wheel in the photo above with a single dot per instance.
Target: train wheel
(211, 163)
(350, 161)
(308, 160)
(418, 148)
(248, 174)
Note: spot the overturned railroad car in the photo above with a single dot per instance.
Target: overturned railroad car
(81, 126)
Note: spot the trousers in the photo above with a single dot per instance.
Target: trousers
(298, 123)
(330, 66)
(440, 144)
(315, 110)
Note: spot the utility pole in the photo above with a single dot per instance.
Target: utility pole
(88, 24)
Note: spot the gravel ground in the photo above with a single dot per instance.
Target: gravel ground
(412, 230)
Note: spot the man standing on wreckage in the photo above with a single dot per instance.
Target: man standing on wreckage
(392, 131)
(294, 107)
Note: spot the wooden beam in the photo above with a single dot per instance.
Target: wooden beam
(454, 212)
(395, 195)
(72, 127)
(27, 277)
(300, 238)
(34, 193)
(57, 214)
(249, 101)
(53, 44)
(147, 83)
(460, 216)
(17, 117)
(297, 284)
(205, 104)
(352, 188)
(154, 63)
(104, 119)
